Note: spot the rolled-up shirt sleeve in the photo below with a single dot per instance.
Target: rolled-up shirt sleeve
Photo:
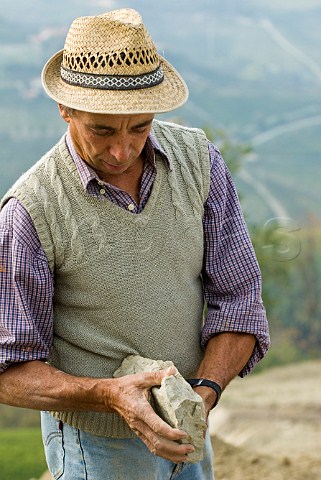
(231, 275)
(26, 290)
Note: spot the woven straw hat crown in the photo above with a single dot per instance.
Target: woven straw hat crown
(110, 64)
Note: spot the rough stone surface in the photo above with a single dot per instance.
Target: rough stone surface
(174, 401)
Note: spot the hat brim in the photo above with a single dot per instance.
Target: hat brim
(168, 95)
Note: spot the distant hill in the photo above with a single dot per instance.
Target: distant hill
(253, 68)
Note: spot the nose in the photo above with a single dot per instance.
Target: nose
(120, 150)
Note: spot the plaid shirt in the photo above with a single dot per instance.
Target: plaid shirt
(231, 276)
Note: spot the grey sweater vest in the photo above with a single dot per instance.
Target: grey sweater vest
(124, 283)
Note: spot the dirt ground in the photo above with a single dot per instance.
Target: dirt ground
(268, 426)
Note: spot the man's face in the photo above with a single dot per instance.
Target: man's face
(110, 144)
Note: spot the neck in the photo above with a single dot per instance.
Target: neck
(128, 181)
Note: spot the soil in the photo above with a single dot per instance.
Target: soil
(268, 426)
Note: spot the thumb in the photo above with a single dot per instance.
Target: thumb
(168, 372)
(155, 378)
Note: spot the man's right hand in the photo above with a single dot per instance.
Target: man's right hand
(128, 396)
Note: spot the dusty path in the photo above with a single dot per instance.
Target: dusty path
(268, 426)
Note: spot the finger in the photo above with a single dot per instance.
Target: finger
(152, 379)
(167, 449)
(144, 419)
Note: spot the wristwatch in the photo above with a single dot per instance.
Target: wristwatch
(203, 382)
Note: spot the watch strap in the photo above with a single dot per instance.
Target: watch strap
(204, 382)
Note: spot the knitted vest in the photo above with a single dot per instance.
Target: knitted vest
(124, 283)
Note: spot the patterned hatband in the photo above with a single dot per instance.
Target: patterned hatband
(112, 82)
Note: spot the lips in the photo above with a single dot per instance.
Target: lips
(112, 166)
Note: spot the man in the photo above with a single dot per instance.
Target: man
(109, 245)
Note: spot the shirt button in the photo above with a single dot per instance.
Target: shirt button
(102, 191)
(131, 207)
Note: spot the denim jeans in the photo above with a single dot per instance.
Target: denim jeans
(73, 454)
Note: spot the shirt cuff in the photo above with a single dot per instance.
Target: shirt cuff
(3, 367)
(239, 321)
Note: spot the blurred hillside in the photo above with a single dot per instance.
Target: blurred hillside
(253, 68)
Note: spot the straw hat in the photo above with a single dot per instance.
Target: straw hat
(110, 65)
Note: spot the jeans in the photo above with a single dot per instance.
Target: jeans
(73, 454)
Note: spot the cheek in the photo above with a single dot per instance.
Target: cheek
(95, 146)
(139, 144)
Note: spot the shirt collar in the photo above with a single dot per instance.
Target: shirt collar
(87, 173)
(153, 143)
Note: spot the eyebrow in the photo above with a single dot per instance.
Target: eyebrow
(145, 123)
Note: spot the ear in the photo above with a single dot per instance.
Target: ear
(63, 113)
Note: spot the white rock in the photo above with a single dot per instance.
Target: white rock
(174, 401)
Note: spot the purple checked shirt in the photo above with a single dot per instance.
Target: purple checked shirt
(231, 277)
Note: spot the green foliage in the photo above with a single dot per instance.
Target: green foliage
(21, 453)
(12, 417)
(276, 245)
(232, 152)
(303, 312)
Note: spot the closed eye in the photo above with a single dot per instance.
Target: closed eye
(140, 130)
(102, 132)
